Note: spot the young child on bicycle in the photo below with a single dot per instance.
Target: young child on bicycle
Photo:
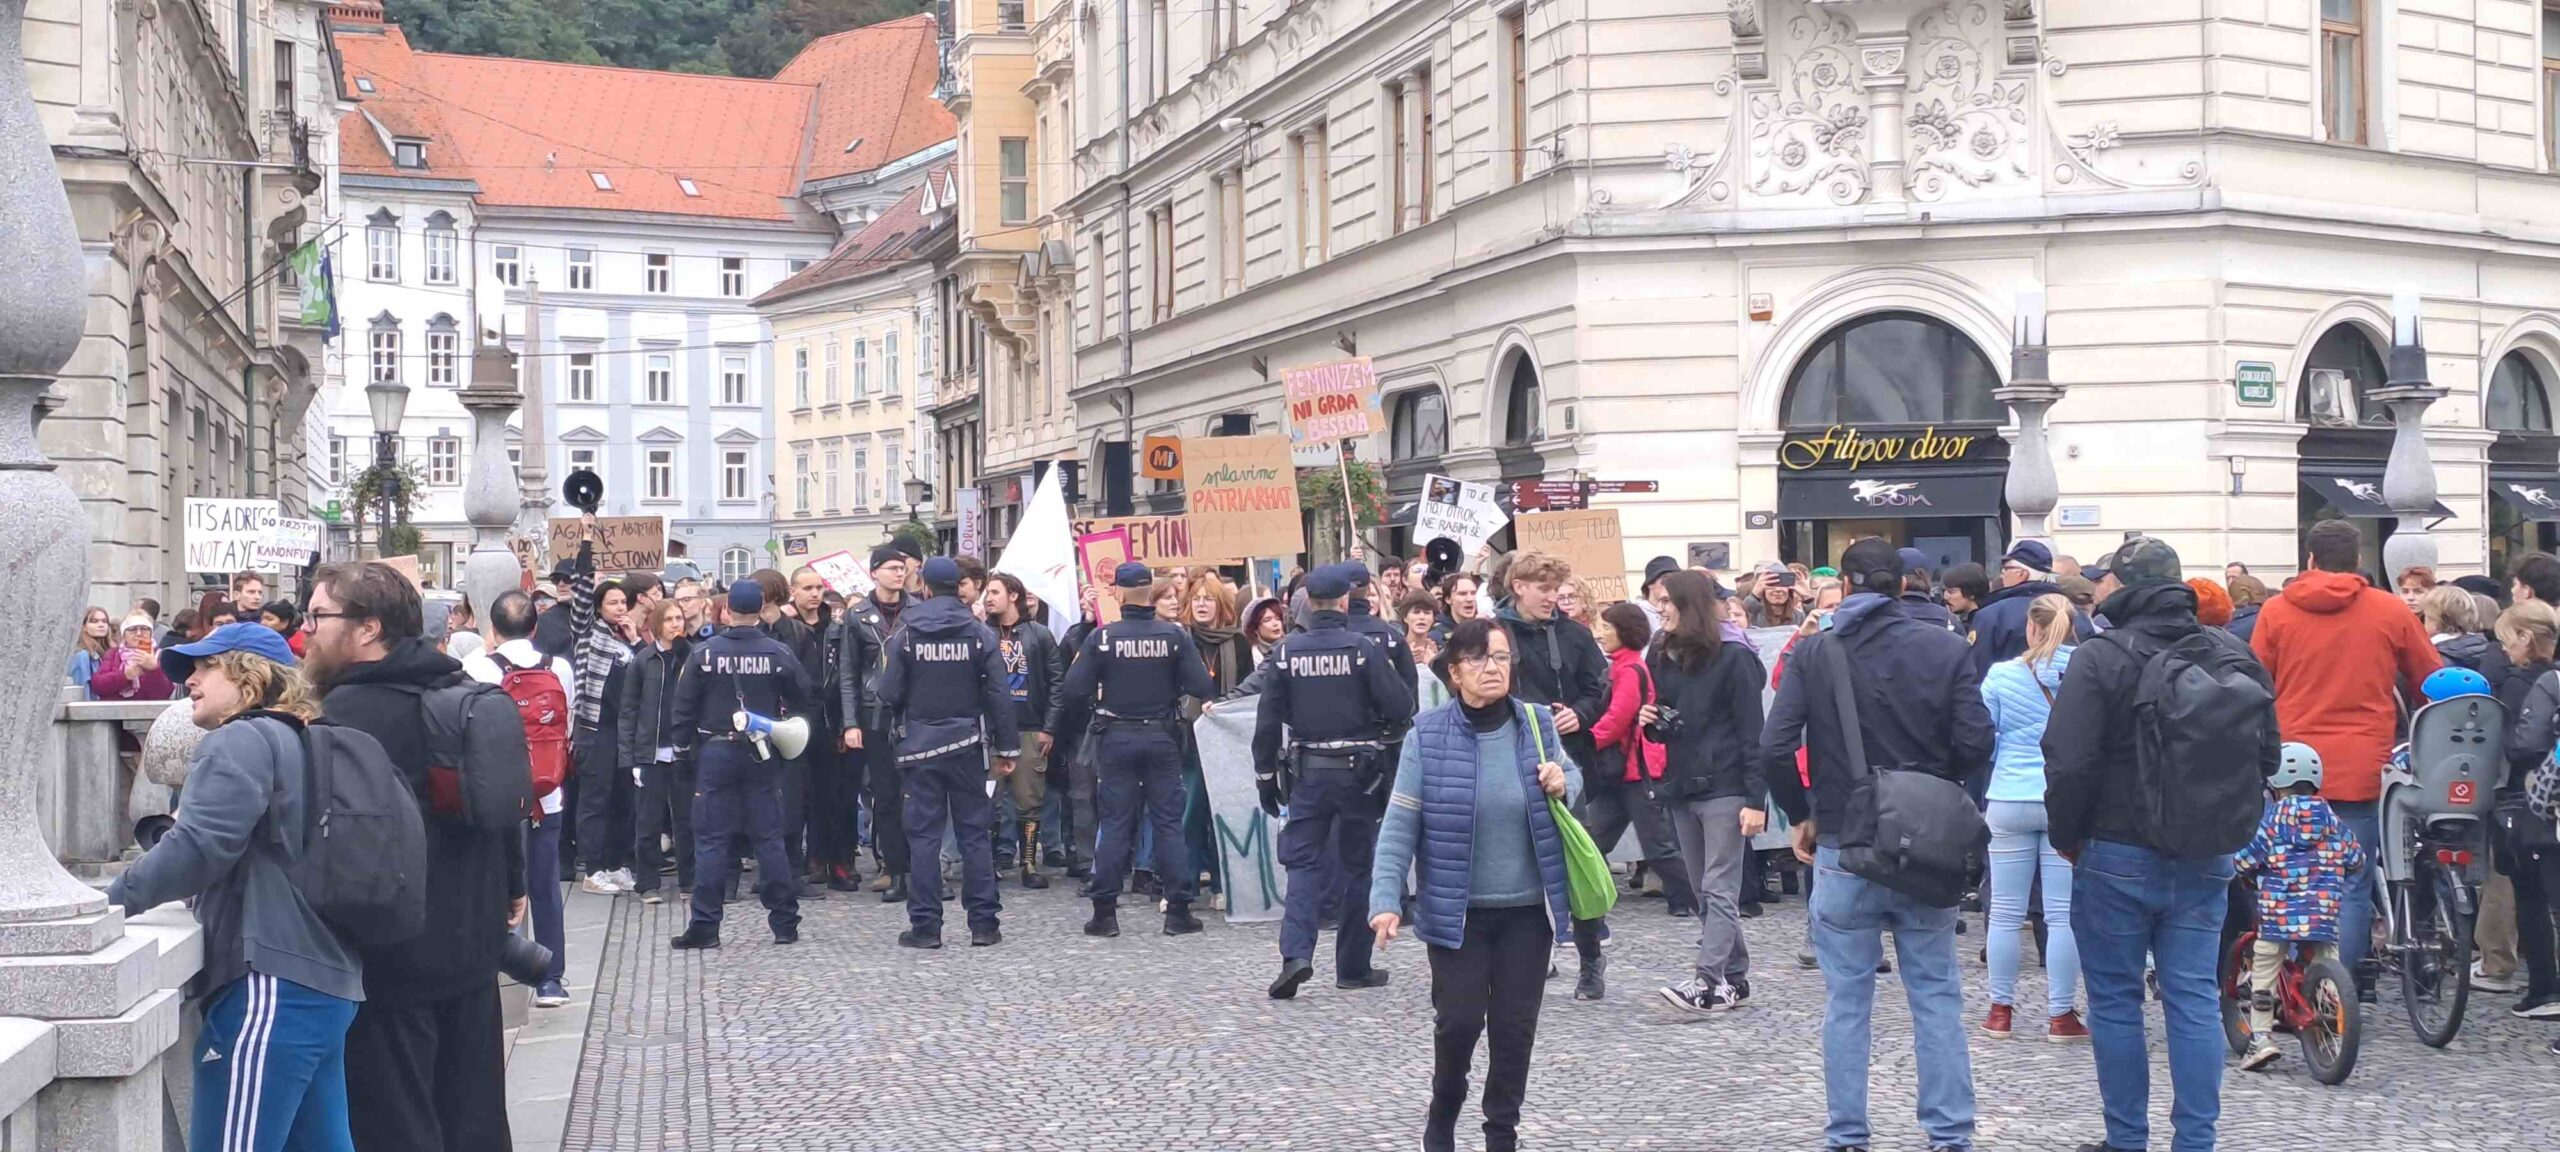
(2301, 858)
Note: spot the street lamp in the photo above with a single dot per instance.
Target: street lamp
(388, 400)
(918, 491)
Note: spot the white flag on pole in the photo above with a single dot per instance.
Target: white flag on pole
(1042, 553)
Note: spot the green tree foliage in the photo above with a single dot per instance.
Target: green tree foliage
(721, 37)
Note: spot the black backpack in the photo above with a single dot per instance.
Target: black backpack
(2204, 715)
(479, 765)
(363, 866)
(1907, 830)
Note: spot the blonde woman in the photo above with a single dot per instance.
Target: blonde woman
(2020, 694)
(280, 988)
(97, 639)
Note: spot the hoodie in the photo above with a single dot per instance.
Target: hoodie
(2344, 655)
(947, 703)
(2302, 856)
(473, 876)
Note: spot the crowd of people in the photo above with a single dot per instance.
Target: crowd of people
(1451, 743)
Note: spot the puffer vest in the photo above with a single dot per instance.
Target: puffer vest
(1447, 852)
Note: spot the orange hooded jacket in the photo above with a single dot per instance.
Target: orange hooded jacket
(2344, 654)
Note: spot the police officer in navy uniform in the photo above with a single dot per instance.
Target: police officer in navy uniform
(1364, 619)
(1142, 667)
(1338, 694)
(945, 685)
(735, 775)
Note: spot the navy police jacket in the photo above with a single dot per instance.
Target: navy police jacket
(740, 667)
(1329, 683)
(945, 684)
(1142, 667)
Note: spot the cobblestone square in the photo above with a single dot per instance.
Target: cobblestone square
(1056, 1041)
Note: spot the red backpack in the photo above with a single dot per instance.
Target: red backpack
(544, 705)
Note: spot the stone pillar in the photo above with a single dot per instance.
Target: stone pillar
(104, 994)
(2032, 490)
(1415, 88)
(490, 497)
(1314, 187)
(2409, 478)
(534, 521)
(1880, 60)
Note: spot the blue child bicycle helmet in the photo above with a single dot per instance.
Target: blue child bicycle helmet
(2447, 683)
(2297, 764)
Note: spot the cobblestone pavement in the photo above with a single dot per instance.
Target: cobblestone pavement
(1056, 1041)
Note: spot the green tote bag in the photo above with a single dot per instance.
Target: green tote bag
(1590, 891)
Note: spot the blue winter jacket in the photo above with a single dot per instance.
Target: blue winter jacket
(2018, 711)
(1431, 822)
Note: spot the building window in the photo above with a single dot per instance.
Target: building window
(1227, 197)
(889, 363)
(1419, 426)
(582, 377)
(733, 474)
(658, 274)
(2518, 399)
(583, 460)
(1512, 42)
(795, 265)
(828, 378)
(2342, 84)
(1524, 408)
(1014, 181)
(582, 269)
(384, 347)
(408, 154)
(1009, 15)
(733, 276)
(889, 474)
(662, 473)
(2338, 380)
(861, 369)
(2551, 84)
(1160, 262)
(285, 73)
(800, 481)
(382, 249)
(506, 262)
(337, 460)
(686, 185)
(444, 357)
(733, 380)
(1225, 17)
(1313, 214)
(443, 248)
(1410, 156)
(602, 182)
(1892, 368)
(1159, 49)
(658, 379)
(800, 377)
(444, 460)
(515, 456)
(861, 477)
(835, 490)
(735, 564)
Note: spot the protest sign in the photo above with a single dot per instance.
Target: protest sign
(1156, 541)
(1456, 510)
(1243, 494)
(1587, 540)
(1333, 401)
(407, 566)
(287, 543)
(623, 543)
(223, 535)
(1248, 838)
(1098, 556)
(843, 572)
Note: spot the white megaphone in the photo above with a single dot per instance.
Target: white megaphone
(789, 737)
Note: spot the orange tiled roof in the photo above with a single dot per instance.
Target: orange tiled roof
(875, 86)
(890, 239)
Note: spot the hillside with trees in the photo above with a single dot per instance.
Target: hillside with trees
(722, 37)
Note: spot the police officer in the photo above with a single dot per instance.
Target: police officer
(945, 684)
(1339, 696)
(740, 670)
(1142, 668)
(1364, 620)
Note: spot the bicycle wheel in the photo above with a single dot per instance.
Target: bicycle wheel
(2435, 968)
(2234, 981)
(2330, 1036)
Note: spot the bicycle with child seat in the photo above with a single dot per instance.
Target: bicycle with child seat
(2315, 1000)
(2434, 819)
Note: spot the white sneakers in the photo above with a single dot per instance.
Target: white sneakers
(608, 883)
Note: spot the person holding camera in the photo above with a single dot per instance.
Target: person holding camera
(1706, 714)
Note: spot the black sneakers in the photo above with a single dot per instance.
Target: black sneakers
(914, 938)
(1178, 920)
(985, 937)
(1696, 995)
(693, 939)
(786, 935)
(1292, 974)
(1377, 978)
(1591, 985)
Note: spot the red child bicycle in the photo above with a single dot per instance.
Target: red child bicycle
(2315, 1000)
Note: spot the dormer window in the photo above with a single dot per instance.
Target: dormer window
(409, 154)
(604, 183)
(690, 188)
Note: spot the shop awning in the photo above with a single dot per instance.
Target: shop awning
(2355, 493)
(2532, 499)
(1905, 494)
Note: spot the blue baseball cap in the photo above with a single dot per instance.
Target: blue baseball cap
(746, 597)
(1355, 572)
(1132, 575)
(179, 662)
(941, 572)
(1328, 583)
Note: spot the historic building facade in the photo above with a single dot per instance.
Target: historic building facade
(1711, 244)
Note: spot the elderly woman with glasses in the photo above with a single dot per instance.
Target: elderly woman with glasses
(1469, 820)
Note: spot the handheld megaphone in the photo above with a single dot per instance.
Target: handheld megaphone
(584, 490)
(789, 737)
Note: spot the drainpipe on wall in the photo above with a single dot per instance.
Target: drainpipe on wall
(249, 253)
(1128, 339)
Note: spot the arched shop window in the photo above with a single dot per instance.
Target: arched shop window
(2519, 399)
(1419, 425)
(2344, 349)
(1893, 368)
(1524, 409)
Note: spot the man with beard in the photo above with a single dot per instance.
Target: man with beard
(796, 633)
(861, 654)
(426, 1066)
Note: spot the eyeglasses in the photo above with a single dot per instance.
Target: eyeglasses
(316, 614)
(1484, 659)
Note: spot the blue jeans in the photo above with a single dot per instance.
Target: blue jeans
(1849, 919)
(2131, 902)
(2355, 908)
(271, 1069)
(542, 890)
(2019, 847)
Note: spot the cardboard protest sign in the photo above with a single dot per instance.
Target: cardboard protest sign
(1457, 510)
(1157, 541)
(1588, 540)
(1333, 401)
(1098, 556)
(288, 543)
(843, 572)
(1243, 494)
(407, 566)
(623, 543)
(222, 536)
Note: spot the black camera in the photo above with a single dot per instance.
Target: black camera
(1666, 724)
(524, 961)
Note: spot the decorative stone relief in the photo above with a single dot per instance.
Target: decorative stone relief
(1968, 126)
(1810, 132)
(1745, 18)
